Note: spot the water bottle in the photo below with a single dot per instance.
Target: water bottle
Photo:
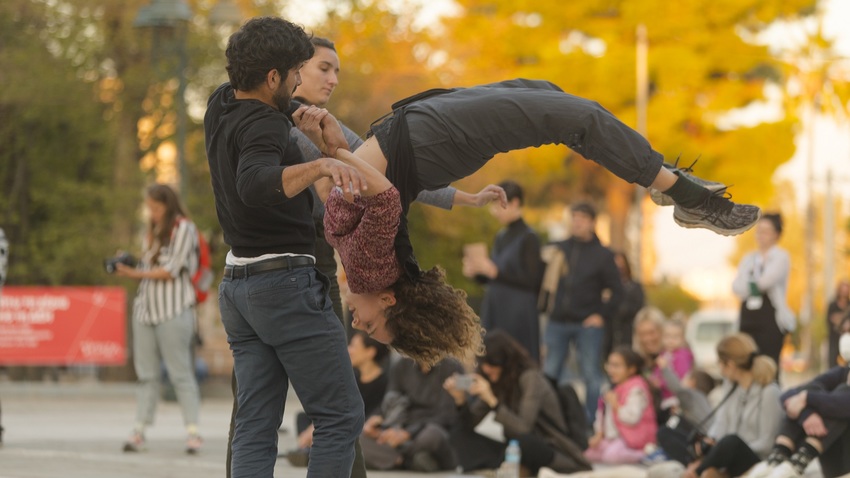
(510, 467)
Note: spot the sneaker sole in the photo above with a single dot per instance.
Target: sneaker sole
(696, 223)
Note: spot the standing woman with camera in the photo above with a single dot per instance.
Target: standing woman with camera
(164, 313)
(747, 421)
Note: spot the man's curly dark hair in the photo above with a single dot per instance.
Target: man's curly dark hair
(431, 320)
(263, 44)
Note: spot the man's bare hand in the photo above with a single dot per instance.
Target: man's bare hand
(308, 120)
(344, 176)
(332, 135)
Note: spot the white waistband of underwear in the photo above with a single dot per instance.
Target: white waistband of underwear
(232, 260)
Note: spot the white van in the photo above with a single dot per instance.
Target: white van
(704, 330)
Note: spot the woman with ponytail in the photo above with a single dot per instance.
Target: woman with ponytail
(747, 422)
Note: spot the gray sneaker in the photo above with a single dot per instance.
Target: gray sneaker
(717, 213)
(662, 199)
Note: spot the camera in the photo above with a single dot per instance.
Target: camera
(123, 258)
(463, 382)
(699, 445)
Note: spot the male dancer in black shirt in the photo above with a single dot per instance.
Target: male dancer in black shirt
(274, 305)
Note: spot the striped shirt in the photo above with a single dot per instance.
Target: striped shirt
(160, 300)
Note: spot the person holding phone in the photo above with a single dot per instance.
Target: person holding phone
(510, 384)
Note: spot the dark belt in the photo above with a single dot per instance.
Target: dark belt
(270, 265)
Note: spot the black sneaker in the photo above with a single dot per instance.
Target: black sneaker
(662, 199)
(717, 213)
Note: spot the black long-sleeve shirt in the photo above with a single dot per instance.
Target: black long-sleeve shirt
(248, 147)
(590, 270)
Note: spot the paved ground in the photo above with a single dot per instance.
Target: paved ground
(76, 431)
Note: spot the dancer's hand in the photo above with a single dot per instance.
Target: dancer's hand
(308, 120)
(489, 194)
(814, 426)
(333, 136)
(344, 176)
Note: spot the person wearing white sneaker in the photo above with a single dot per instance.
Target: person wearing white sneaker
(747, 423)
(816, 425)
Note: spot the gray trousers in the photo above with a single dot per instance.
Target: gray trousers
(171, 341)
(453, 135)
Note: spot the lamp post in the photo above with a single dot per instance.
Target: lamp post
(169, 20)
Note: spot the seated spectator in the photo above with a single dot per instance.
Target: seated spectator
(815, 425)
(625, 419)
(367, 357)
(693, 409)
(411, 431)
(676, 357)
(510, 384)
(649, 329)
(747, 420)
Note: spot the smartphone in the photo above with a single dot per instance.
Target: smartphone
(463, 382)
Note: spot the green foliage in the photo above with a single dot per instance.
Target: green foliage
(670, 298)
(55, 158)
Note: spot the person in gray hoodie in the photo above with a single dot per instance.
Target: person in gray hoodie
(747, 422)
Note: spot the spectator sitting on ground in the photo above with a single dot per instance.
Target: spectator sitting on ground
(747, 420)
(815, 424)
(368, 357)
(412, 430)
(649, 326)
(693, 410)
(625, 420)
(525, 404)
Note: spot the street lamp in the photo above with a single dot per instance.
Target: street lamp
(169, 19)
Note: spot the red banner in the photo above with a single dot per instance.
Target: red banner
(63, 325)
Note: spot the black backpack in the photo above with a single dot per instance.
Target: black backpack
(574, 414)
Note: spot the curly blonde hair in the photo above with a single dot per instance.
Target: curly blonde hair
(431, 320)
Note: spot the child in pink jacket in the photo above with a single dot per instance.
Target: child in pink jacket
(625, 420)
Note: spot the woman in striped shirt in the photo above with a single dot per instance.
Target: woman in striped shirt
(164, 313)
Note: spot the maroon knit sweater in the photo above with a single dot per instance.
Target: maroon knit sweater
(363, 233)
